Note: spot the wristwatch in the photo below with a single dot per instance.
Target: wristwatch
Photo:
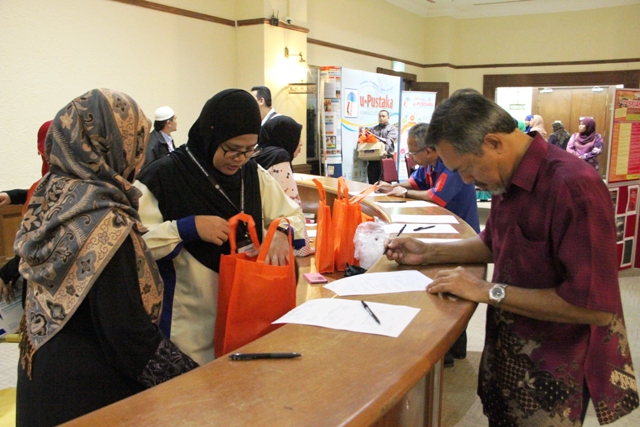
(284, 228)
(497, 294)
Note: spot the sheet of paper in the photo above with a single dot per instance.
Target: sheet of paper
(372, 194)
(312, 232)
(380, 283)
(407, 204)
(429, 219)
(433, 240)
(393, 229)
(350, 315)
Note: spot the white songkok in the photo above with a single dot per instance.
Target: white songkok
(163, 113)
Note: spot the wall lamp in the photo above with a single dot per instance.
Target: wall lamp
(289, 55)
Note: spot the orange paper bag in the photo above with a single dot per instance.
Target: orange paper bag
(324, 233)
(251, 294)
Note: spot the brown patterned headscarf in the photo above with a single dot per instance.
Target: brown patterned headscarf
(82, 211)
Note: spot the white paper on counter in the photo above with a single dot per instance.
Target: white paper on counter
(429, 219)
(393, 229)
(434, 240)
(372, 194)
(350, 315)
(407, 204)
(380, 283)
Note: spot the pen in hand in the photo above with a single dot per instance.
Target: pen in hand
(386, 248)
(366, 307)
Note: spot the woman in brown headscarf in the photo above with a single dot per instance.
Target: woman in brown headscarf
(89, 336)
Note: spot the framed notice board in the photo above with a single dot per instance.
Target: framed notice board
(624, 155)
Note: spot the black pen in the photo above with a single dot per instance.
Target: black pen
(423, 228)
(386, 248)
(392, 201)
(253, 356)
(366, 307)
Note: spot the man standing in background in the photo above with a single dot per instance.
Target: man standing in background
(386, 133)
(160, 141)
(262, 94)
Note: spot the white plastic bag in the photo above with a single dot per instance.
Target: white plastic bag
(369, 242)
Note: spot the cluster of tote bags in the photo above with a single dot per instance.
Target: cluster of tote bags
(253, 294)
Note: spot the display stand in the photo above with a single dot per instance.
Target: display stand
(623, 177)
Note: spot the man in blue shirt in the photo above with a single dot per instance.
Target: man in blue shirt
(435, 183)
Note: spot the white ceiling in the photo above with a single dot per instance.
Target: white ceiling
(464, 9)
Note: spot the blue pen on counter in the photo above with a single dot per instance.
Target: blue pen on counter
(366, 307)
(254, 356)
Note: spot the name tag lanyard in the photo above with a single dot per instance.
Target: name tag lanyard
(217, 187)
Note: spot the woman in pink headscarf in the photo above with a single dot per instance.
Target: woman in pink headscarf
(537, 124)
(586, 144)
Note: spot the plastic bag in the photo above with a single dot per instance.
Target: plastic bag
(369, 242)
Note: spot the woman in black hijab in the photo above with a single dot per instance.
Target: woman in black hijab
(279, 144)
(189, 195)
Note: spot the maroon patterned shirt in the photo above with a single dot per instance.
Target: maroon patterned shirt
(554, 228)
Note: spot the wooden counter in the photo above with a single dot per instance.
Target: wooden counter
(343, 378)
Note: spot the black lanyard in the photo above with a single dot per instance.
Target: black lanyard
(217, 186)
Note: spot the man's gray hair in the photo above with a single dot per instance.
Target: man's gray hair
(419, 133)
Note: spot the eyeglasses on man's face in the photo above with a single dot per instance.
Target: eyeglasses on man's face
(413, 153)
(234, 154)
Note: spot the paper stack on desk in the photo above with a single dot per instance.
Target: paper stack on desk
(380, 283)
(349, 315)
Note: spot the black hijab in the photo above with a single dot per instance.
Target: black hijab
(182, 188)
(279, 139)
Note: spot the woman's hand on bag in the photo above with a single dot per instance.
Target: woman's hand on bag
(279, 250)
(405, 250)
(213, 229)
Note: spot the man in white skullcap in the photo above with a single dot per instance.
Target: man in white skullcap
(160, 141)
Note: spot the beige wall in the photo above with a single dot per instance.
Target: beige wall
(54, 50)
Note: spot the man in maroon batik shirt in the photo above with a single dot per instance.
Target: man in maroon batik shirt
(555, 329)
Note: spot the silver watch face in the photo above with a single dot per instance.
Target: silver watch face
(497, 293)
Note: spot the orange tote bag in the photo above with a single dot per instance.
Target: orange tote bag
(251, 293)
(347, 215)
(324, 233)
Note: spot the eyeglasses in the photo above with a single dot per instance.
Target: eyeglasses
(234, 154)
(413, 153)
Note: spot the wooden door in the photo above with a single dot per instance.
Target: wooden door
(570, 104)
(554, 106)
